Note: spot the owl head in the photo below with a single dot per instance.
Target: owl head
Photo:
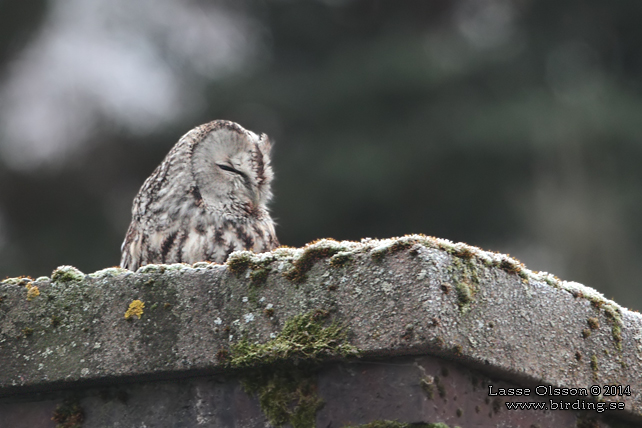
(231, 165)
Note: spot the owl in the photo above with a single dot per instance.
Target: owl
(205, 200)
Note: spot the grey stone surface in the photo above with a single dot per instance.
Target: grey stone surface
(354, 393)
(400, 297)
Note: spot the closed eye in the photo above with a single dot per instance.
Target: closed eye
(230, 169)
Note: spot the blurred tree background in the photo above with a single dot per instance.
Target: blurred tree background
(515, 126)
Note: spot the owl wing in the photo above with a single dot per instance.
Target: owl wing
(134, 251)
(131, 249)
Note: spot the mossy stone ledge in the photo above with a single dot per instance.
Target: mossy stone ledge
(404, 332)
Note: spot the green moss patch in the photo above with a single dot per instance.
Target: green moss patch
(283, 371)
(399, 244)
(616, 333)
(489, 259)
(614, 317)
(110, 272)
(69, 414)
(428, 386)
(464, 252)
(304, 337)
(286, 394)
(311, 254)
(510, 266)
(66, 274)
(239, 262)
(466, 280)
(259, 276)
(340, 259)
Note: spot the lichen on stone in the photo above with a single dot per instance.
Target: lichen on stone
(206, 265)
(135, 309)
(110, 272)
(32, 291)
(341, 258)
(67, 273)
(547, 278)
(152, 268)
(580, 290)
(313, 252)
(380, 251)
(20, 280)
(384, 247)
(240, 261)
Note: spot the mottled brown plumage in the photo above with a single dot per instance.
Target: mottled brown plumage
(205, 200)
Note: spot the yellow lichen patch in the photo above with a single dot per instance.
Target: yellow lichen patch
(32, 292)
(135, 309)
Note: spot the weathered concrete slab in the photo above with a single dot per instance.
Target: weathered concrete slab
(410, 296)
(419, 389)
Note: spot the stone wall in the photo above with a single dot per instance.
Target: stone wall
(414, 330)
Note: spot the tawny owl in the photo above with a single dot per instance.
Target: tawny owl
(206, 199)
